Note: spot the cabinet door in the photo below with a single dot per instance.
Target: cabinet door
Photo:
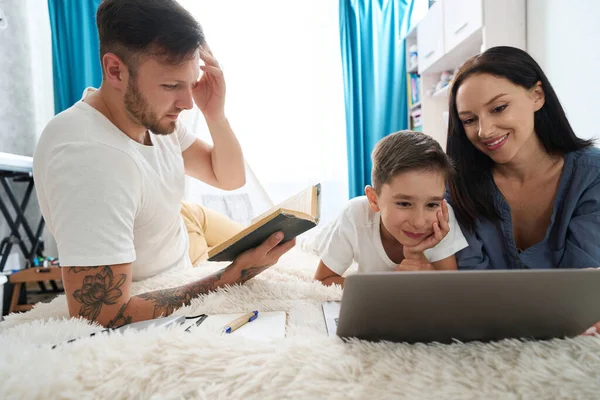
(461, 19)
(430, 36)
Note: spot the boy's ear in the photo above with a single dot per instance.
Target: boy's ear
(372, 197)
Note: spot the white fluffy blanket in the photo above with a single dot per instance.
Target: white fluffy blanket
(168, 363)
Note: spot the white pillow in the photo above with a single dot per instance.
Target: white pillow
(237, 207)
(312, 241)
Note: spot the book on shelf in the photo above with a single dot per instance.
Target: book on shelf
(417, 117)
(415, 81)
(409, 90)
(293, 217)
(413, 88)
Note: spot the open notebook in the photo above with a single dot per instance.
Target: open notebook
(268, 325)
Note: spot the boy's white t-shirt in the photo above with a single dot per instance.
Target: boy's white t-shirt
(108, 199)
(355, 236)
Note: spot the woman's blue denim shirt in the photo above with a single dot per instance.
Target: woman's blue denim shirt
(572, 239)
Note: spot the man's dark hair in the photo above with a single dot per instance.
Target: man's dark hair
(157, 28)
(407, 151)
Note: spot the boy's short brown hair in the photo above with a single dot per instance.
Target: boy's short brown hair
(407, 151)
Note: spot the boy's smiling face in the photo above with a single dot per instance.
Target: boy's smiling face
(409, 204)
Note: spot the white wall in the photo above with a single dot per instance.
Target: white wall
(26, 94)
(40, 41)
(564, 37)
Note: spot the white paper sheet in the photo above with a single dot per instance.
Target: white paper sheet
(268, 325)
(331, 312)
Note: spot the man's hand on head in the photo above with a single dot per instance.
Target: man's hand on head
(209, 91)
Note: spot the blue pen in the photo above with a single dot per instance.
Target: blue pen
(240, 321)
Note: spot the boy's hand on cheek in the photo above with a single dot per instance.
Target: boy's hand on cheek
(414, 258)
(440, 230)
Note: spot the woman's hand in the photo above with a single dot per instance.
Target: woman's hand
(594, 330)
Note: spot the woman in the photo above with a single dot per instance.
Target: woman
(527, 189)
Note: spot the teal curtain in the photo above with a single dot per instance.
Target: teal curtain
(75, 49)
(374, 68)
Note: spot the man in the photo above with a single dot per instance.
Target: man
(109, 171)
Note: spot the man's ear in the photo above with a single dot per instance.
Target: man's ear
(538, 95)
(372, 197)
(115, 71)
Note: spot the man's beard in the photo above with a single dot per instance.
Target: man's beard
(137, 106)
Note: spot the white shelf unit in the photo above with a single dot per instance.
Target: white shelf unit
(413, 107)
(443, 92)
(451, 32)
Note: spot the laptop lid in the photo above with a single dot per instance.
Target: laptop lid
(469, 305)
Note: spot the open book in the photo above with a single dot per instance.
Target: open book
(293, 217)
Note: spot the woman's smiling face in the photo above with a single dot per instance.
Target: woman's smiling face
(497, 115)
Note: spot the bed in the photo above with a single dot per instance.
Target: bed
(171, 363)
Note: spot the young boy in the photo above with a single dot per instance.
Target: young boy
(403, 223)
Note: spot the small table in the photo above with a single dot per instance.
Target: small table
(19, 169)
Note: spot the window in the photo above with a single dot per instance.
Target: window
(285, 95)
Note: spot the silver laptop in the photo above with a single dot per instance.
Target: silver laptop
(467, 305)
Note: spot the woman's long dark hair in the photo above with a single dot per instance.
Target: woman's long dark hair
(472, 186)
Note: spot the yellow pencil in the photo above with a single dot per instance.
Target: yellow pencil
(240, 321)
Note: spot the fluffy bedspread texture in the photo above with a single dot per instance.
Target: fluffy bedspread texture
(162, 363)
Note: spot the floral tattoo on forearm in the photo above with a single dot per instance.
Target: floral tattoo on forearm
(104, 289)
(168, 300)
(120, 319)
(98, 290)
(249, 273)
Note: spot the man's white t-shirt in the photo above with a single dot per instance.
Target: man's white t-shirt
(355, 236)
(108, 199)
